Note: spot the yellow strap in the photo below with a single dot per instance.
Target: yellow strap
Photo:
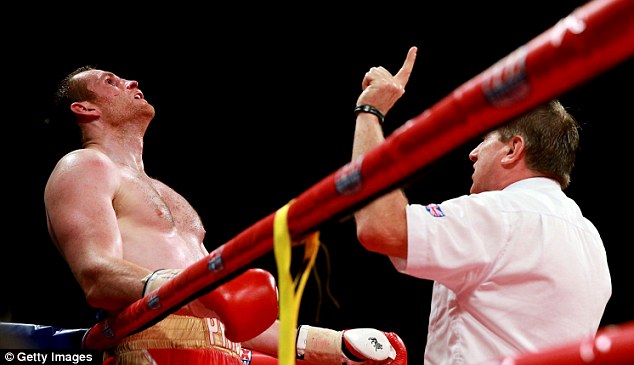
(288, 298)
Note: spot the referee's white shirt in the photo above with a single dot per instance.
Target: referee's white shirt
(515, 271)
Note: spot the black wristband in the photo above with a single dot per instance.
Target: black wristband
(369, 109)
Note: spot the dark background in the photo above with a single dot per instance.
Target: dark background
(254, 106)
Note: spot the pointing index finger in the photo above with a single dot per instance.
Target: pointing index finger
(406, 70)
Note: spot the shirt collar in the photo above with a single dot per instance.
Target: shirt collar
(534, 183)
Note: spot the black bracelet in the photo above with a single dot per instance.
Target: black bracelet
(369, 109)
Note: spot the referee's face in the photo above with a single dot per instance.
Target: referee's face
(487, 164)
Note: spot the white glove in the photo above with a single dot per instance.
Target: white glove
(317, 345)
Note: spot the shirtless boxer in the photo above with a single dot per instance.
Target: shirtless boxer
(124, 234)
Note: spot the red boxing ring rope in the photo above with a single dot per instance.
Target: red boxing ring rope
(592, 39)
(612, 345)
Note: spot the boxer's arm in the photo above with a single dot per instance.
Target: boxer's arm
(267, 342)
(83, 225)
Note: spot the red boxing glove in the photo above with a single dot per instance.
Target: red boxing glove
(247, 304)
(399, 346)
